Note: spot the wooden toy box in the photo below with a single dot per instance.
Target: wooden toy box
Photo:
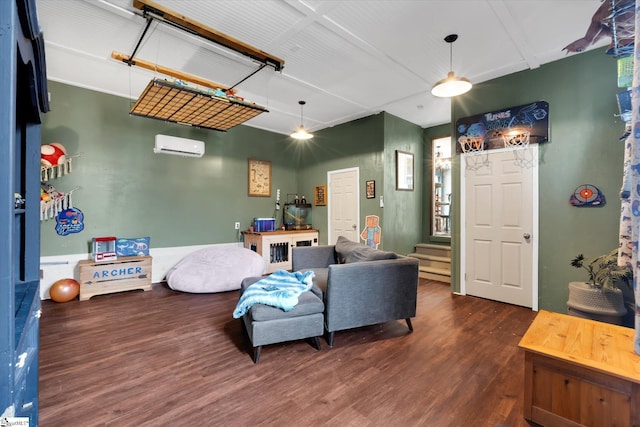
(123, 274)
(580, 372)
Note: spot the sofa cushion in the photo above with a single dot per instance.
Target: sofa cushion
(308, 303)
(319, 281)
(348, 252)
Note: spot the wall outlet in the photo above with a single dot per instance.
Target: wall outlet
(237, 226)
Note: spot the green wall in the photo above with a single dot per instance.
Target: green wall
(359, 143)
(402, 223)
(583, 148)
(128, 191)
(370, 145)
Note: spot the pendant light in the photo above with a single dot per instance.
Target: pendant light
(301, 132)
(451, 86)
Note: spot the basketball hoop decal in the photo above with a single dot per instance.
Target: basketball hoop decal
(587, 195)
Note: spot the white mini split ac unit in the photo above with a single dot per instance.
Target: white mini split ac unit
(178, 146)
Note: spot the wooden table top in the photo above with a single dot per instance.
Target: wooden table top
(601, 346)
(310, 230)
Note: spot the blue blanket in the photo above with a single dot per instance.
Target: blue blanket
(281, 289)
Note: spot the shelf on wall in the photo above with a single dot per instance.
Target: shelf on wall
(51, 208)
(622, 15)
(57, 171)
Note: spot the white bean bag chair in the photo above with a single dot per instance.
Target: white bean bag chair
(215, 269)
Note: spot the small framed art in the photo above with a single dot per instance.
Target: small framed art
(259, 178)
(320, 195)
(371, 189)
(404, 171)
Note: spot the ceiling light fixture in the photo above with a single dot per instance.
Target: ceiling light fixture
(301, 132)
(451, 86)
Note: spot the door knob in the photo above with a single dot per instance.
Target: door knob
(527, 236)
(354, 226)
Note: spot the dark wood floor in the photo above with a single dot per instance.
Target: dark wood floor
(163, 358)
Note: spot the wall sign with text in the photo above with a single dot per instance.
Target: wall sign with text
(498, 129)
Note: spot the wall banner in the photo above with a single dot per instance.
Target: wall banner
(503, 128)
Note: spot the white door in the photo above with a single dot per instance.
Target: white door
(343, 204)
(500, 229)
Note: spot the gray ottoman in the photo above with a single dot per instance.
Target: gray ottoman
(270, 325)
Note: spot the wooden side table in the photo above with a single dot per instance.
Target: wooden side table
(580, 372)
(275, 246)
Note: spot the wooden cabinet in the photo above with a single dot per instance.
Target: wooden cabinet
(24, 97)
(580, 372)
(275, 246)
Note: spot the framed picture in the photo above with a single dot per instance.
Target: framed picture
(371, 189)
(404, 171)
(259, 178)
(320, 195)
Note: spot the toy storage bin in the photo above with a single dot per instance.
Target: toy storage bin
(123, 274)
(264, 224)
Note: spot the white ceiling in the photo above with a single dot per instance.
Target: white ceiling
(346, 59)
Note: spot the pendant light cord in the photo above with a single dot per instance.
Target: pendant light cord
(450, 39)
(451, 56)
(301, 115)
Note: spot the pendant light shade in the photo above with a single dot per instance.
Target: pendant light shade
(301, 133)
(451, 85)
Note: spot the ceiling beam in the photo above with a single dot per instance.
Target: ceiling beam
(510, 24)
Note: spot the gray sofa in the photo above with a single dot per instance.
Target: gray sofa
(359, 285)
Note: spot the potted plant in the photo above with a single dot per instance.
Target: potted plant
(603, 296)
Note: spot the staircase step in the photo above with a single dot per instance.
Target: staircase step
(430, 257)
(435, 270)
(432, 261)
(430, 249)
(438, 274)
(435, 261)
(437, 277)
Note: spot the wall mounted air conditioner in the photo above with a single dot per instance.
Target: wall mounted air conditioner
(178, 146)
